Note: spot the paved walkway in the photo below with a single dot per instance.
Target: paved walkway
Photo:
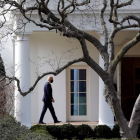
(91, 124)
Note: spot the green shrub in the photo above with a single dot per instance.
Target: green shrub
(36, 127)
(113, 139)
(68, 131)
(54, 130)
(84, 131)
(35, 136)
(103, 131)
(116, 131)
(10, 129)
(40, 129)
(44, 132)
(105, 139)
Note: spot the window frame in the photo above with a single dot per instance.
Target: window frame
(81, 117)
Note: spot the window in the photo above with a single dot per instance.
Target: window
(78, 92)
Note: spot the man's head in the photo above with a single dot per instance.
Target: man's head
(50, 79)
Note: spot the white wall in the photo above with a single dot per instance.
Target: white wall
(42, 44)
(34, 94)
(6, 51)
(94, 96)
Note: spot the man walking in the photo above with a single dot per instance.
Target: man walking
(48, 99)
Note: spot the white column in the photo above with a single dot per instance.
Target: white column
(106, 116)
(22, 71)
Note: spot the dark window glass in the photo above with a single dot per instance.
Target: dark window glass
(74, 98)
(74, 110)
(82, 110)
(82, 97)
(74, 86)
(82, 74)
(82, 86)
(74, 74)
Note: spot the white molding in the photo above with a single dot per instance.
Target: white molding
(96, 11)
(26, 32)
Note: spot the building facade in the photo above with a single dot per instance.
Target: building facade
(77, 90)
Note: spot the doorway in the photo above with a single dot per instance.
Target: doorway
(130, 84)
(77, 93)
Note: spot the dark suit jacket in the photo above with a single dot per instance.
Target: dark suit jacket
(47, 93)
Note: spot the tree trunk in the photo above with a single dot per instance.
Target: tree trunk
(114, 103)
(135, 117)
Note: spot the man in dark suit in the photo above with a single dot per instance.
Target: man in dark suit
(48, 99)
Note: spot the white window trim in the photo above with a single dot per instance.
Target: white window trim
(77, 118)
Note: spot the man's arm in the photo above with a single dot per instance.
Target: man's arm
(49, 91)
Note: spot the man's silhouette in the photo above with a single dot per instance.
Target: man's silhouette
(48, 99)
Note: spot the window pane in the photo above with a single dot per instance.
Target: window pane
(74, 74)
(82, 97)
(82, 86)
(74, 110)
(82, 110)
(74, 86)
(74, 98)
(82, 74)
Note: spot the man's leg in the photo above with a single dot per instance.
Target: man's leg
(43, 112)
(52, 112)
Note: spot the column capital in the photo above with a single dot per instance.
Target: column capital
(23, 36)
(14, 38)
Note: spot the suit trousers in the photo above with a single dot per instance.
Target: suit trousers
(50, 106)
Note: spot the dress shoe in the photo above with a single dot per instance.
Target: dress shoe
(57, 121)
(42, 123)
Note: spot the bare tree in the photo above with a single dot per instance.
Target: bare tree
(2, 89)
(6, 93)
(48, 19)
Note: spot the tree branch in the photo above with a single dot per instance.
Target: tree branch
(40, 77)
(125, 4)
(125, 48)
(103, 23)
(135, 117)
